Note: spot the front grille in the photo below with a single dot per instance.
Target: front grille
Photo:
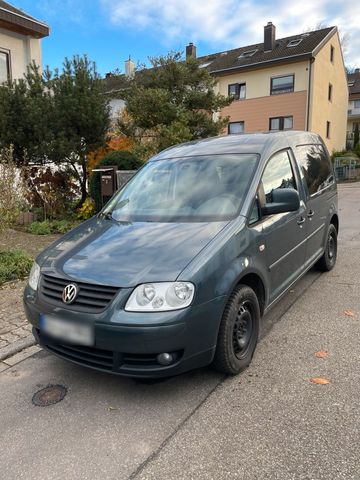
(91, 357)
(91, 298)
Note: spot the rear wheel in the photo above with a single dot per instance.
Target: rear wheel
(328, 260)
(238, 332)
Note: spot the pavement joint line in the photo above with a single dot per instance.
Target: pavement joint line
(156, 453)
(17, 347)
(225, 378)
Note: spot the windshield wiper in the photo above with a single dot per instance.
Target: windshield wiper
(107, 215)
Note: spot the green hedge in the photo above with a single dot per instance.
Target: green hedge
(123, 159)
(50, 226)
(14, 264)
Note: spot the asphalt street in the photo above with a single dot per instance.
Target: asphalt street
(270, 422)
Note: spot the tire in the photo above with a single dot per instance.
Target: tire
(238, 332)
(328, 260)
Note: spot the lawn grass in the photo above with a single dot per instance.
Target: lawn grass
(14, 264)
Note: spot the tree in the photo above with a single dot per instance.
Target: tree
(58, 116)
(356, 135)
(26, 118)
(82, 115)
(172, 102)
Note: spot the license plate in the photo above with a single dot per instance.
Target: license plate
(57, 328)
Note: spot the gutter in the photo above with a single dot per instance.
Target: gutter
(29, 19)
(311, 61)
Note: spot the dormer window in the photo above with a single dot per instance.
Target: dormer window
(294, 43)
(204, 65)
(248, 53)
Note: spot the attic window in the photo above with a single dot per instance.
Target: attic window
(248, 53)
(204, 65)
(294, 43)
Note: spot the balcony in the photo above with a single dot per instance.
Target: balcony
(354, 113)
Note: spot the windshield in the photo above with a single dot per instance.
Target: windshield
(190, 189)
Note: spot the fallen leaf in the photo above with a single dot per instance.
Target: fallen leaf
(349, 313)
(321, 354)
(319, 381)
(112, 408)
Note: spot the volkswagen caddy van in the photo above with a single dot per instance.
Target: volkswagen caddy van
(179, 267)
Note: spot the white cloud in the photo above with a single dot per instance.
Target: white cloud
(233, 23)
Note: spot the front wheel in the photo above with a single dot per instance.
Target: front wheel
(238, 332)
(328, 260)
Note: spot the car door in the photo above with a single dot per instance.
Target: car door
(284, 233)
(319, 180)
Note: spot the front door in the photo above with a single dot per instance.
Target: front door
(284, 233)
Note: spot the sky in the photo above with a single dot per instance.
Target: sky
(108, 31)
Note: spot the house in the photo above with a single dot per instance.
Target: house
(297, 82)
(353, 120)
(20, 41)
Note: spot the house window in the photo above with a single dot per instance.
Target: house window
(4, 66)
(328, 127)
(236, 127)
(330, 92)
(356, 103)
(332, 52)
(280, 123)
(282, 84)
(237, 90)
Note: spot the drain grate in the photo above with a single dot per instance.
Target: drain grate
(49, 395)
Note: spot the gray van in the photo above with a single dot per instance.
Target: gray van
(179, 267)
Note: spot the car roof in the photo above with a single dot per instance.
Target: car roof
(259, 143)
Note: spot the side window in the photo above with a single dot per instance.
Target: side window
(278, 174)
(255, 213)
(316, 166)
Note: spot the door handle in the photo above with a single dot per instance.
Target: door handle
(301, 221)
(310, 213)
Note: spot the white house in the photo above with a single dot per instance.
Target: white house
(20, 41)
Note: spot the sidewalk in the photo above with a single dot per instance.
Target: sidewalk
(15, 331)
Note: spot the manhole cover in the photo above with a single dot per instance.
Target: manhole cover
(49, 395)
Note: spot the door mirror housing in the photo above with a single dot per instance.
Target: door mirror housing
(284, 200)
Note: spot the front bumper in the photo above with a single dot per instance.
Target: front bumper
(127, 343)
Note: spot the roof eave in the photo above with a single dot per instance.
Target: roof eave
(253, 66)
(22, 24)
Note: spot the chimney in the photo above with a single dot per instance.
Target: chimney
(190, 51)
(357, 73)
(129, 68)
(269, 36)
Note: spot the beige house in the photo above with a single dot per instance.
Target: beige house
(353, 121)
(20, 41)
(298, 82)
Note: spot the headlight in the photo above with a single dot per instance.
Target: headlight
(160, 297)
(34, 276)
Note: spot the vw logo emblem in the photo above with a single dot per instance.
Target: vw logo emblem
(69, 293)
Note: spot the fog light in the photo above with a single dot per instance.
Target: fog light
(165, 358)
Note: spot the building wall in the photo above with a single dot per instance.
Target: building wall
(259, 106)
(23, 50)
(323, 110)
(256, 112)
(258, 81)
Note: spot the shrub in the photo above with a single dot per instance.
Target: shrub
(87, 210)
(14, 264)
(50, 226)
(12, 191)
(124, 161)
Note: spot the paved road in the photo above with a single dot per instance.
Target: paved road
(268, 423)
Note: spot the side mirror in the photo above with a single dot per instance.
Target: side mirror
(284, 200)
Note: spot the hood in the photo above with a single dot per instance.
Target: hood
(127, 254)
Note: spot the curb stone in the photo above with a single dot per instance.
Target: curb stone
(17, 346)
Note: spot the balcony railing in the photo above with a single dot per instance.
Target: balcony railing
(354, 112)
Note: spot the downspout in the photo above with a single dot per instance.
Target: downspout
(311, 61)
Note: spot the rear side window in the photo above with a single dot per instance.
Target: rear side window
(278, 174)
(316, 166)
